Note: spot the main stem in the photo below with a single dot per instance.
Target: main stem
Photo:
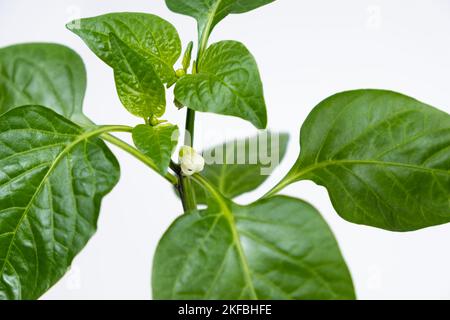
(190, 128)
(185, 188)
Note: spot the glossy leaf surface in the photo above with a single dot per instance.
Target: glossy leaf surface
(278, 248)
(227, 83)
(138, 86)
(157, 142)
(242, 166)
(43, 74)
(210, 12)
(53, 176)
(150, 36)
(384, 158)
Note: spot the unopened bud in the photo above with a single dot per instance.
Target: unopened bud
(180, 73)
(190, 161)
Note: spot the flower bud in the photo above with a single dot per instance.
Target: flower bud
(180, 73)
(190, 161)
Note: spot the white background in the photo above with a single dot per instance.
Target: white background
(306, 50)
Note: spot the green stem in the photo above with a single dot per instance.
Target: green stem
(190, 128)
(280, 186)
(187, 194)
(186, 191)
(288, 179)
(188, 201)
(208, 186)
(137, 154)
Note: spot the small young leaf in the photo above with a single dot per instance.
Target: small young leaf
(139, 87)
(209, 13)
(227, 82)
(384, 158)
(43, 74)
(53, 175)
(242, 166)
(158, 143)
(278, 248)
(187, 56)
(153, 38)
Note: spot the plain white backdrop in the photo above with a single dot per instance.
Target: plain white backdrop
(306, 51)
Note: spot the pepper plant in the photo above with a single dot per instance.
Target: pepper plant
(383, 157)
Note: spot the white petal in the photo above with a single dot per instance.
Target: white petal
(187, 170)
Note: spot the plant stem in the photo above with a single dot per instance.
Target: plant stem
(207, 185)
(185, 186)
(187, 194)
(186, 191)
(290, 178)
(190, 128)
(138, 155)
(187, 201)
(280, 186)
(188, 204)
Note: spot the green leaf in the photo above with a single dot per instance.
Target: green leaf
(158, 142)
(242, 166)
(227, 82)
(384, 158)
(53, 175)
(139, 87)
(152, 37)
(187, 56)
(43, 74)
(278, 248)
(210, 12)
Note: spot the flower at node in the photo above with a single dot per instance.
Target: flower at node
(190, 161)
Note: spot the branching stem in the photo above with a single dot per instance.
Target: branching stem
(137, 154)
(186, 191)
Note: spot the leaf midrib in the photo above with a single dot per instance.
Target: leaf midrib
(236, 94)
(207, 28)
(160, 59)
(64, 152)
(328, 163)
(236, 238)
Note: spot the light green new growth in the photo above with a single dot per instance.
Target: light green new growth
(383, 157)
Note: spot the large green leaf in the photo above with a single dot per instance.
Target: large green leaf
(43, 74)
(209, 13)
(53, 175)
(384, 158)
(278, 248)
(227, 82)
(243, 165)
(157, 142)
(139, 87)
(152, 37)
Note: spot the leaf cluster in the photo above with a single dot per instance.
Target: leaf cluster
(383, 157)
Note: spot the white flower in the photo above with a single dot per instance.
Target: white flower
(190, 161)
